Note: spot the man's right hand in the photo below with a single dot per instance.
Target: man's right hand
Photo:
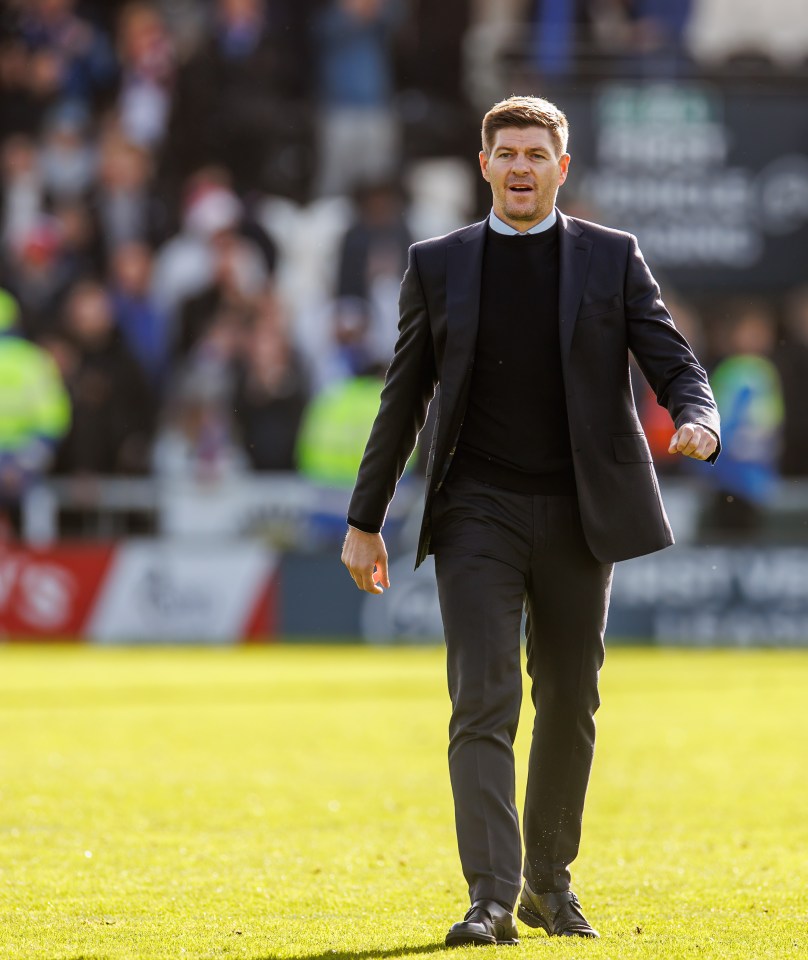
(362, 553)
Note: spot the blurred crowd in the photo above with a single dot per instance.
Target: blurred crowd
(756, 354)
(206, 208)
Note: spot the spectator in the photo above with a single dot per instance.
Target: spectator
(39, 274)
(43, 83)
(198, 440)
(237, 275)
(335, 429)
(185, 265)
(372, 259)
(80, 239)
(271, 392)
(187, 21)
(18, 108)
(148, 67)
(348, 351)
(430, 47)
(125, 204)
(112, 405)
(240, 100)
(430, 52)
(67, 158)
(358, 127)
(792, 362)
(749, 396)
(76, 52)
(497, 29)
(645, 37)
(34, 412)
(555, 31)
(214, 357)
(142, 323)
(611, 26)
(217, 181)
(23, 190)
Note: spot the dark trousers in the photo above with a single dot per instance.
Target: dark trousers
(497, 552)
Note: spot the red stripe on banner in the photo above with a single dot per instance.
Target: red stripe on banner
(49, 593)
(261, 625)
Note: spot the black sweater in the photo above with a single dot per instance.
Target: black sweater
(515, 433)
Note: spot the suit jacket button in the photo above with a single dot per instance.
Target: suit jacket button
(452, 451)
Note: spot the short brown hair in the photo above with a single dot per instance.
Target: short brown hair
(525, 112)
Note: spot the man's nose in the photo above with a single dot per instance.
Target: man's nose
(520, 164)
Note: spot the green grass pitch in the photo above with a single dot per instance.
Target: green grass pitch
(293, 802)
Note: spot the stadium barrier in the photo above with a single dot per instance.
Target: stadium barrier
(259, 560)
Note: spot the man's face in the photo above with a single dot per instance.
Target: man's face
(525, 173)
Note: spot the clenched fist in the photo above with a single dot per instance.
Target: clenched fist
(694, 440)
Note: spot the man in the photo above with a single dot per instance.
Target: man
(34, 413)
(540, 478)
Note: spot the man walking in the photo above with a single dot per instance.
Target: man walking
(539, 479)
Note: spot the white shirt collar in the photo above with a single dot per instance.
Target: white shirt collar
(499, 226)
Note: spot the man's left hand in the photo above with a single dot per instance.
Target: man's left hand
(694, 440)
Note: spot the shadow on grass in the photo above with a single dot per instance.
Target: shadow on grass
(362, 954)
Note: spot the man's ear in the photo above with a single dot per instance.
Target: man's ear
(564, 163)
(484, 164)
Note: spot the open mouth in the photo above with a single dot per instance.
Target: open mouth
(520, 188)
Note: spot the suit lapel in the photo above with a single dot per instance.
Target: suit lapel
(464, 271)
(574, 252)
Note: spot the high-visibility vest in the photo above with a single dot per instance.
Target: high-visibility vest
(34, 403)
(335, 429)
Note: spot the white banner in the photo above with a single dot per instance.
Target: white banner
(163, 591)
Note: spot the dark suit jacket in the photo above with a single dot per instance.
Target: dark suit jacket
(608, 304)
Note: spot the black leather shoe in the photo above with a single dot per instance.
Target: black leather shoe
(559, 914)
(488, 922)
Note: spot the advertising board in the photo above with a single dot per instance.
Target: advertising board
(140, 591)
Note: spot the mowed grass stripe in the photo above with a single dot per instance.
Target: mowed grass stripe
(293, 802)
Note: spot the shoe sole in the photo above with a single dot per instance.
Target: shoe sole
(463, 940)
(534, 920)
(531, 919)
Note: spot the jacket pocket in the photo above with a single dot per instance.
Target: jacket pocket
(631, 448)
(598, 307)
